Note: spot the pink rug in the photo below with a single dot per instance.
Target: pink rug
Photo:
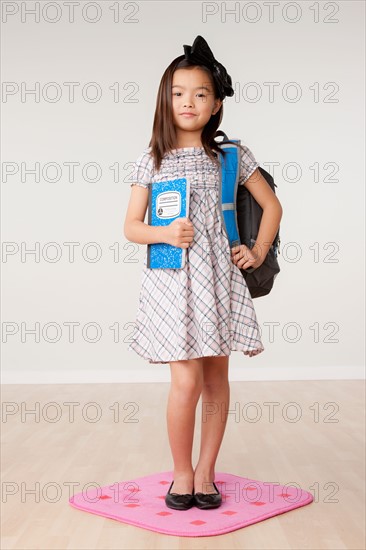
(141, 502)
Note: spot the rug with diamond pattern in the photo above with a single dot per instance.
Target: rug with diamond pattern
(140, 502)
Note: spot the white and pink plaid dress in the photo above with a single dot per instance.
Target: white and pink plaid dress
(204, 309)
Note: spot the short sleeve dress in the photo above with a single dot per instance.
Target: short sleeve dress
(204, 309)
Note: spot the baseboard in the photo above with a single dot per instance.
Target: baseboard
(161, 373)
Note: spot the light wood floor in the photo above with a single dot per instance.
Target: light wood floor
(323, 451)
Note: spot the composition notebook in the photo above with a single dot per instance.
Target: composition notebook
(168, 200)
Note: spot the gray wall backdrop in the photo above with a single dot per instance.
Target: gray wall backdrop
(78, 99)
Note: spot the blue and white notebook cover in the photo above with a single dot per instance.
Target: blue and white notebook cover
(168, 200)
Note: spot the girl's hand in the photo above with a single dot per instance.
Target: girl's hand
(179, 233)
(244, 257)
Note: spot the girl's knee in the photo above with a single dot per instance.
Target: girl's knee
(187, 377)
(215, 372)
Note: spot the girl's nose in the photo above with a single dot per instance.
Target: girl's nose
(188, 101)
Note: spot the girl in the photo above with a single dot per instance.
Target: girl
(194, 317)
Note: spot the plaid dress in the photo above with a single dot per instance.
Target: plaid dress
(205, 308)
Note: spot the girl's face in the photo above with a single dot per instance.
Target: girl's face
(192, 92)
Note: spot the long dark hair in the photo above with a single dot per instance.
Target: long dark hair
(164, 137)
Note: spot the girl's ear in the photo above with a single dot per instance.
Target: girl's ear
(218, 103)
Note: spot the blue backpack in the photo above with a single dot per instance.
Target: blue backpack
(241, 216)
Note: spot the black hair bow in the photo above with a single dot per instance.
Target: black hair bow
(201, 54)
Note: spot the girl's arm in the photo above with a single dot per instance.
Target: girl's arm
(271, 217)
(135, 230)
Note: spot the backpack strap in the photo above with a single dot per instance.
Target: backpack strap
(228, 187)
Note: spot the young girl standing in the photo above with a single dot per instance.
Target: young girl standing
(194, 317)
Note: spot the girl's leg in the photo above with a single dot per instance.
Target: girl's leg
(215, 405)
(185, 390)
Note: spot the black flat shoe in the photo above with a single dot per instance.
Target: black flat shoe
(177, 501)
(205, 501)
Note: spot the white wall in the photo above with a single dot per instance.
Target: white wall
(319, 136)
